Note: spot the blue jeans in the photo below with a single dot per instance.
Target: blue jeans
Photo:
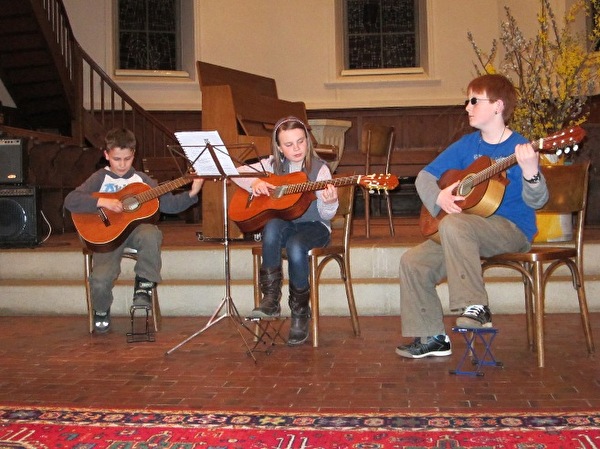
(297, 239)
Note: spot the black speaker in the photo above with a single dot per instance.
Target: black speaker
(20, 217)
(13, 161)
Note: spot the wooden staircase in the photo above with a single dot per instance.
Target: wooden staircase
(58, 87)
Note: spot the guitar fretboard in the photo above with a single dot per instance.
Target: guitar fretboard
(162, 189)
(497, 167)
(319, 185)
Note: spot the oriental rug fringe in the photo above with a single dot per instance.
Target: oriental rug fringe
(91, 428)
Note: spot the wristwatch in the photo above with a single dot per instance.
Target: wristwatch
(533, 180)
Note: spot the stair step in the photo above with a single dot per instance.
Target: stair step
(50, 281)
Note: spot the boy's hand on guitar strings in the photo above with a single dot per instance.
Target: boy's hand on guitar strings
(111, 204)
(447, 199)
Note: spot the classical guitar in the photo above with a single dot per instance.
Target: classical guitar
(291, 197)
(106, 230)
(483, 182)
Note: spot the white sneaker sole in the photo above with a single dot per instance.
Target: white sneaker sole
(409, 355)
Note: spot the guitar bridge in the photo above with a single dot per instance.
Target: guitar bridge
(103, 217)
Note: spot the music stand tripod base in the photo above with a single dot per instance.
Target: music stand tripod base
(226, 308)
(486, 336)
(146, 333)
(267, 333)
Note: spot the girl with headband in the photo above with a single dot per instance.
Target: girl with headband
(292, 151)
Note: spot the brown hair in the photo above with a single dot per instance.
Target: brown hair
(496, 87)
(121, 138)
(286, 124)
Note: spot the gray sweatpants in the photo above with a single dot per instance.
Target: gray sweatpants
(147, 239)
(464, 239)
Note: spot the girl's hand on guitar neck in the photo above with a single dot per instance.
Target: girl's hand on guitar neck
(329, 194)
(447, 199)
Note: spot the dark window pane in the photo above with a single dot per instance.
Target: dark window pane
(365, 52)
(148, 35)
(161, 52)
(381, 34)
(132, 15)
(399, 50)
(133, 51)
(161, 15)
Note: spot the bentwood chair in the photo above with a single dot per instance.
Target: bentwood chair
(377, 142)
(88, 266)
(319, 258)
(568, 186)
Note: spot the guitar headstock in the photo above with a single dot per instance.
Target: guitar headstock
(379, 182)
(564, 141)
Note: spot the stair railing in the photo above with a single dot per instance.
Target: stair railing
(99, 104)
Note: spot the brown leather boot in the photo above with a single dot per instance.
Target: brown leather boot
(270, 286)
(299, 305)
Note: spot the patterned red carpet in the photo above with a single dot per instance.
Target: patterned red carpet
(56, 428)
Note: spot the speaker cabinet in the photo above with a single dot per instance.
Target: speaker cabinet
(20, 217)
(13, 161)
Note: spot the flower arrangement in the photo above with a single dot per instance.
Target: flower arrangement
(554, 72)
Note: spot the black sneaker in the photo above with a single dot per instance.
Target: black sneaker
(101, 322)
(438, 346)
(475, 316)
(142, 294)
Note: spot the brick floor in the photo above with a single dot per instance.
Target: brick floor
(52, 360)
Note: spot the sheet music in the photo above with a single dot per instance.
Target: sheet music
(193, 144)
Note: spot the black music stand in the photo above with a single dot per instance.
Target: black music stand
(221, 159)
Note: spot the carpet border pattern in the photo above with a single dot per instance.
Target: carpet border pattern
(283, 420)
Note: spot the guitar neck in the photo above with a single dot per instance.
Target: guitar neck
(311, 186)
(163, 188)
(500, 165)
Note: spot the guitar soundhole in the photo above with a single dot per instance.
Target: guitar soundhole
(465, 186)
(130, 204)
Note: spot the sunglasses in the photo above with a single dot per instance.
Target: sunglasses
(474, 100)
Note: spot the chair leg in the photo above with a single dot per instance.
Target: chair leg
(388, 200)
(367, 213)
(352, 306)
(87, 270)
(256, 259)
(583, 309)
(156, 315)
(538, 294)
(314, 298)
(529, 310)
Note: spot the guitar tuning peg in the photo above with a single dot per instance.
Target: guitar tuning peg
(567, 150)
(575, 147)
(559, 152)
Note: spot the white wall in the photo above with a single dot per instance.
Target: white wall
(294, 42)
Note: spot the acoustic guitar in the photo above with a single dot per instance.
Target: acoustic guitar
(483, 182)
(291, 197)
(106, 230)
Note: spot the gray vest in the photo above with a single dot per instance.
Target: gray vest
(312, 213)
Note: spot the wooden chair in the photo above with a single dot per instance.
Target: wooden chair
(88, 264)
(568, 186)
(377, 141)
(319, 258)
